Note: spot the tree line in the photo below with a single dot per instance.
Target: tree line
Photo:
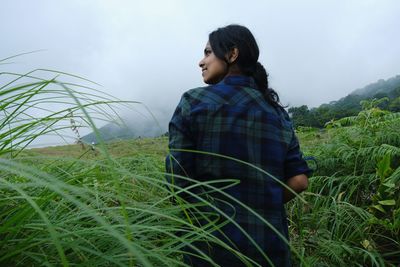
(388, 91)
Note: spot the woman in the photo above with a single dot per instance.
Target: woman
(237, 119)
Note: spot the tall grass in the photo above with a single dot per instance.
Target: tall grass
(353, 213)
(87, 212)
(70, 212)
(105, 210)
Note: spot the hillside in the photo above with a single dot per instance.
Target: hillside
(155, 147)
(349, 105)
(131, 128)
(379, 87)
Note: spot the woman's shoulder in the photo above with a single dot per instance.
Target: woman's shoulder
(201, 94)
(197, 91)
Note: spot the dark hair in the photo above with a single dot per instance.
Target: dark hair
(224, 39)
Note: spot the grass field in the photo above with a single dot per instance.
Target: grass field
(109, 205)
(155, 147)
(337, 226)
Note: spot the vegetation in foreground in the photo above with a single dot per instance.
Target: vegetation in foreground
(352, 215)
(90, 208)
(352, 212)
(110, 206)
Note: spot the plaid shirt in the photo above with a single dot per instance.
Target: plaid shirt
(233, 119)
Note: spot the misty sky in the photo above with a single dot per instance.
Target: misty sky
(315, 51)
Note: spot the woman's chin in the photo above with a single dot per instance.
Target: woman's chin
(211, 81)
(207, 81)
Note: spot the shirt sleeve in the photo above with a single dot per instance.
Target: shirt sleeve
(294, 162)
(180, 163)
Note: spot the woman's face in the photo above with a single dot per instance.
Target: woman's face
(213, 69)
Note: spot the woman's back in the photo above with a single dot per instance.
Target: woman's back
(237, 131)
(231, 119)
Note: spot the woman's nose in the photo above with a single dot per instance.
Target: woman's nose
(201, 63)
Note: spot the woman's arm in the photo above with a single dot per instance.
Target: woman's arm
(298, 183)
(296, 170)
(180, 163)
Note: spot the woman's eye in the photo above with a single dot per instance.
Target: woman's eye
(207, 52)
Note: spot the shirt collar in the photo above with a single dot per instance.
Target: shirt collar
(240, 80)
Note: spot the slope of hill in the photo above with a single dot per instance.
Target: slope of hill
(131, 129)
(349, 105)
(110, 132)
(379, 87)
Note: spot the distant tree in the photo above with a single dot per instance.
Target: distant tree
(394, 93)
(380, 95)
(383, 104)
(373, 103)
(299, 115)
(322, 114)
(394, 105)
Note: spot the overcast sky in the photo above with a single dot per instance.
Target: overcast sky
(315, 51)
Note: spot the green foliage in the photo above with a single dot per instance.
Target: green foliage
(88, 210)
(395, 105)
(110, 206)
(385, 202)
(301, 116)
(91, 207)
(352, 217)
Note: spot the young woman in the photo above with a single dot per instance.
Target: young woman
(237, 119)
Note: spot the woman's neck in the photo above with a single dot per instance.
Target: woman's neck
(234, 70)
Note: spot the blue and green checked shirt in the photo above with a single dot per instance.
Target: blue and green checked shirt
(232, 119)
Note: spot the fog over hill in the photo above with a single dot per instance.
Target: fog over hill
(139, 123)
(380, 86)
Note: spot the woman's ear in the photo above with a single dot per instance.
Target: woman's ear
(233, 55)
